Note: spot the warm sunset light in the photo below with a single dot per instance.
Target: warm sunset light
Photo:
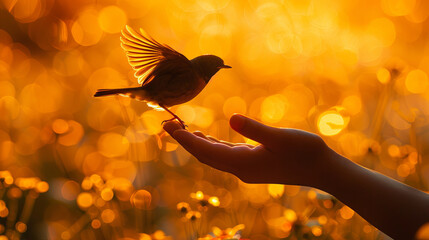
(77, 162)
(330, 123)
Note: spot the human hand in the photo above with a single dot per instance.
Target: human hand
(285, 156)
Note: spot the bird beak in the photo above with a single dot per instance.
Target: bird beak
(225, 66)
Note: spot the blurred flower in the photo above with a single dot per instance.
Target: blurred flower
(229, 233)
(183, 207)
(193, 215)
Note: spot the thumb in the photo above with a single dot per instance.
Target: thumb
(254, 130)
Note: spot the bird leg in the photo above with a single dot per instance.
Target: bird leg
(174, 117)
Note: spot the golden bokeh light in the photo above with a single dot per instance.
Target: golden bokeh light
(322, 219)
(25, 11)
(316, 230)
(417, 81)
(73, 135)
(214, 201)
(398, 7)
(96, 224)
(68, 63)
(384, 30)
(423, 232)
(112, 19)
(60, 126)
(122, 187)
(108, 215)
(273, 108)
(276, 190)
(355, 73)
(70, 190)
(290, 215)
(330, 123)
(353, 104)
(106, 194)
(188, 113)
(403, 170)
(21, 227)
(346, 212)
(383, 75)
(141, 199)
(84, 200)
(113, 145)
(85, 30)
(234, 105)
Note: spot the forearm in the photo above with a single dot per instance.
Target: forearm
(393, 207)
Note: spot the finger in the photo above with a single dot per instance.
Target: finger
(200, 134)
(219, 141)
(213, 139)
(172, 126)
(208, 137)
(214, 154)
(254, 130)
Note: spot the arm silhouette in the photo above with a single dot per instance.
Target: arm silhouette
(296, 157)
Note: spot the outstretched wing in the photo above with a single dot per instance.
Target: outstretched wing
(144, 54)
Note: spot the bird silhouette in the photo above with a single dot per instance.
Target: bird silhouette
(166, 76)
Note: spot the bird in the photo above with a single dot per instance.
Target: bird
(166, 76)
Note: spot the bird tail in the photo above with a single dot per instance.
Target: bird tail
(125, 91)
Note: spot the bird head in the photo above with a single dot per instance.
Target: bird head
(208, 65)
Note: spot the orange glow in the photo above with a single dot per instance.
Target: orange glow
(84, 200)
(96, 224)
(273, 108)
(21, 227)
(317, 231)
(330, 123)
(398, 7)
(352, 104)
(70, 190)
(85, 29)
(290, 215)
(60, 126)
(384, 30)
(328, 204)
(394, 150)
(276, 190)
(417, 81)
(311, 194)
(14, 193)
(234, 105)
(214, 201)
(112, 19)
(2, 205)
(106, 194)
(113, 145)
(403, 170)
(73, 136)
(322, 219)
(355, 73)
(122, 187)
(383, 75)
(141, 199)
(346, 212)
(108, 215)
(423, 232)
(42, 186)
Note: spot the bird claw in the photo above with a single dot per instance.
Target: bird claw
(178, 119)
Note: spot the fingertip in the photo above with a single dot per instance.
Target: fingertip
(171, 127)
(183, 137)
(180, 133)
(237, 122)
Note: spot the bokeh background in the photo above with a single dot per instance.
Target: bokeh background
(76, 167)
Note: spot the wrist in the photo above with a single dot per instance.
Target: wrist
(330, 166)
